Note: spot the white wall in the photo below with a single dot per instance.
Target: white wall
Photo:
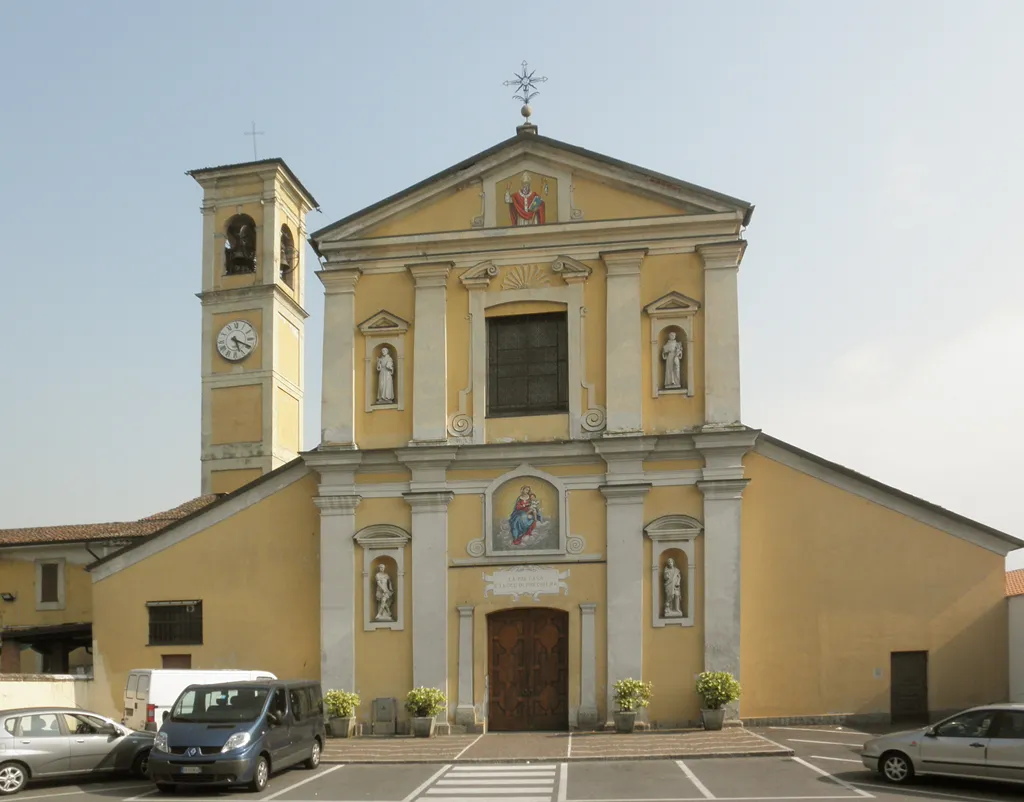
(1016, 604)
(41, 690)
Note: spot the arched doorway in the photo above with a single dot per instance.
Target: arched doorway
(528, 660)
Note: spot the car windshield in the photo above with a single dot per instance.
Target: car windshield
(221, 704)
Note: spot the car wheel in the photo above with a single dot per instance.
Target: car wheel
(896, 767)
(165, 788)
(260, 775)
(13, 777)
(314, 755)
(140, 768)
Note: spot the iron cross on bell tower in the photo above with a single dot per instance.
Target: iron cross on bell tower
(525, 84)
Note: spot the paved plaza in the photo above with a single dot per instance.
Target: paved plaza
(823, 767)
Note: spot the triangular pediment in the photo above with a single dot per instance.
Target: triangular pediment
(529, 180)
(383, 323)
(675, 303)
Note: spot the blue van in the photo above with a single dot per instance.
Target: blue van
(238, 733)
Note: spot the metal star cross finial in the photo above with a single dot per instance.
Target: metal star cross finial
(526, 88)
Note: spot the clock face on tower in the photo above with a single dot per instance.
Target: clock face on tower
(236, 340)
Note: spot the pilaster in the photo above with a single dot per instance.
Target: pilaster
(624, 508)
(337, 591)
(337, 415)
(465, 713)
(430, 589)
(430, 353)
(623, 349)
(587, 716)
(721, 332)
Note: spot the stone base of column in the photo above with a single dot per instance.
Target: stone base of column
(587, 718)
(465, 716)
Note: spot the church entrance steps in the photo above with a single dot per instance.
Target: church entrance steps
(523, 747)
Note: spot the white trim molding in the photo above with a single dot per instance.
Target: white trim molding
(673, 533)
(61, 601)
(677, 311)
(383, 329)
(383, 540)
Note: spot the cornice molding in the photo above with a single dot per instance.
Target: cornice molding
(624, 262)
(382, 536)
(625, 494)
(337, 505)
(722, 255)
(571, 270)
(339, 280)
(252, 293)
(433, 501)
(479, 277)
(723, 489)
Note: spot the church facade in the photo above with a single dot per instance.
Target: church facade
(533, 478)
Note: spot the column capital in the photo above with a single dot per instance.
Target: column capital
(431, 274)
(625, 494)
(339, 281)
(723, 489)
(723, 452)
(465, 610)
(337, 505)
(588, 608)
(429, 502)
(624, 263)
(720, 255)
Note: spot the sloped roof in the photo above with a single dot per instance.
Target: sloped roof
(116, 530)
(1015, 582)
(258, 163)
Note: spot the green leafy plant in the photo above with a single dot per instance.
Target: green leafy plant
(341, 704)
(717, 689)
(631, 694)
(425, 702)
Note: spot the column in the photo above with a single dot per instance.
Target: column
(337, 412)
(430, 357)
(338, 590)
(624, 506)
(721, 332)
(465, 713)
(624, 349)
(430, 589)
(723, 501)
(587, 716)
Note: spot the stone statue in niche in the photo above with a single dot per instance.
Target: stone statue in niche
(525, 207)
(385, 594)
(672, 353)
(672, 581)
(385, 377)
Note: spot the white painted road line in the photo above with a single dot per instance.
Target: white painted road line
(142, 796)
(563, 777)
(300, 783)
(836, 780)
(699, 799)
(485, 782)
(532, 782)
(426, 784)
(819, 730)
(824, 743)
(481, 735)
(478, 799)
(87, 790)
(840, 759)
(514, 767)
(693, 778)
(904, 790)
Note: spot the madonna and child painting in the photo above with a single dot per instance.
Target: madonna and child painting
(527, 520)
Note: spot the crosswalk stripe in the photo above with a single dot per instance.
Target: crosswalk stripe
(493, 782)
(478, 799)
(507, 774)
(511, 767)
(532, 784)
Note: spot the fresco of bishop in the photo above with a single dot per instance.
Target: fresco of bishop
(526, 208)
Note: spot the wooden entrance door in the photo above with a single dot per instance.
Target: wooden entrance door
(908, 673)
(528, 653)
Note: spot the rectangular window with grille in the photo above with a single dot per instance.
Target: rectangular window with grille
(527, 365)
(175, 623)
(49, 577)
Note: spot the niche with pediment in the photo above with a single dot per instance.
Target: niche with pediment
(672, 351)
(384, 357)
(673, 569)
(383, 576)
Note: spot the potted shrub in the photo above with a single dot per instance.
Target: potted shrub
(630, 695)
(341, 712)
(716, 690)
(423, 704)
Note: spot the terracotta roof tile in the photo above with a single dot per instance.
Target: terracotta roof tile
(1015, 582)
(117, 530)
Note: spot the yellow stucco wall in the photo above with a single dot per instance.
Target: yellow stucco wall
(19, 578)
(287, 419)
(599, 201)
(289, 352)
(271, 550)
(832, 583)
(453, 211)
(230, 481)
(236, 414)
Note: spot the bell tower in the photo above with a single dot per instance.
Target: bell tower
(253, 291)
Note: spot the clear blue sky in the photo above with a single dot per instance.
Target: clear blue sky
(880, 141)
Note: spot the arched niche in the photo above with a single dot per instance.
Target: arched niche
(672, 314)
(673, 537)
(384, 330)
(240, 239)
(383, 545)
(289, 262)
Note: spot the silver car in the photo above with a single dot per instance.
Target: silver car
(43, 743)
(985, 742)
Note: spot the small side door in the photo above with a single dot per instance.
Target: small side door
(1006, 747)
(130, 703)
(958, 745)
(95, 745)
(40, 743)
(279, 734)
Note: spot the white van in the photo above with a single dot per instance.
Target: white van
(150, 693)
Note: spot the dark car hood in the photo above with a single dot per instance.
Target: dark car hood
(188, 734)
